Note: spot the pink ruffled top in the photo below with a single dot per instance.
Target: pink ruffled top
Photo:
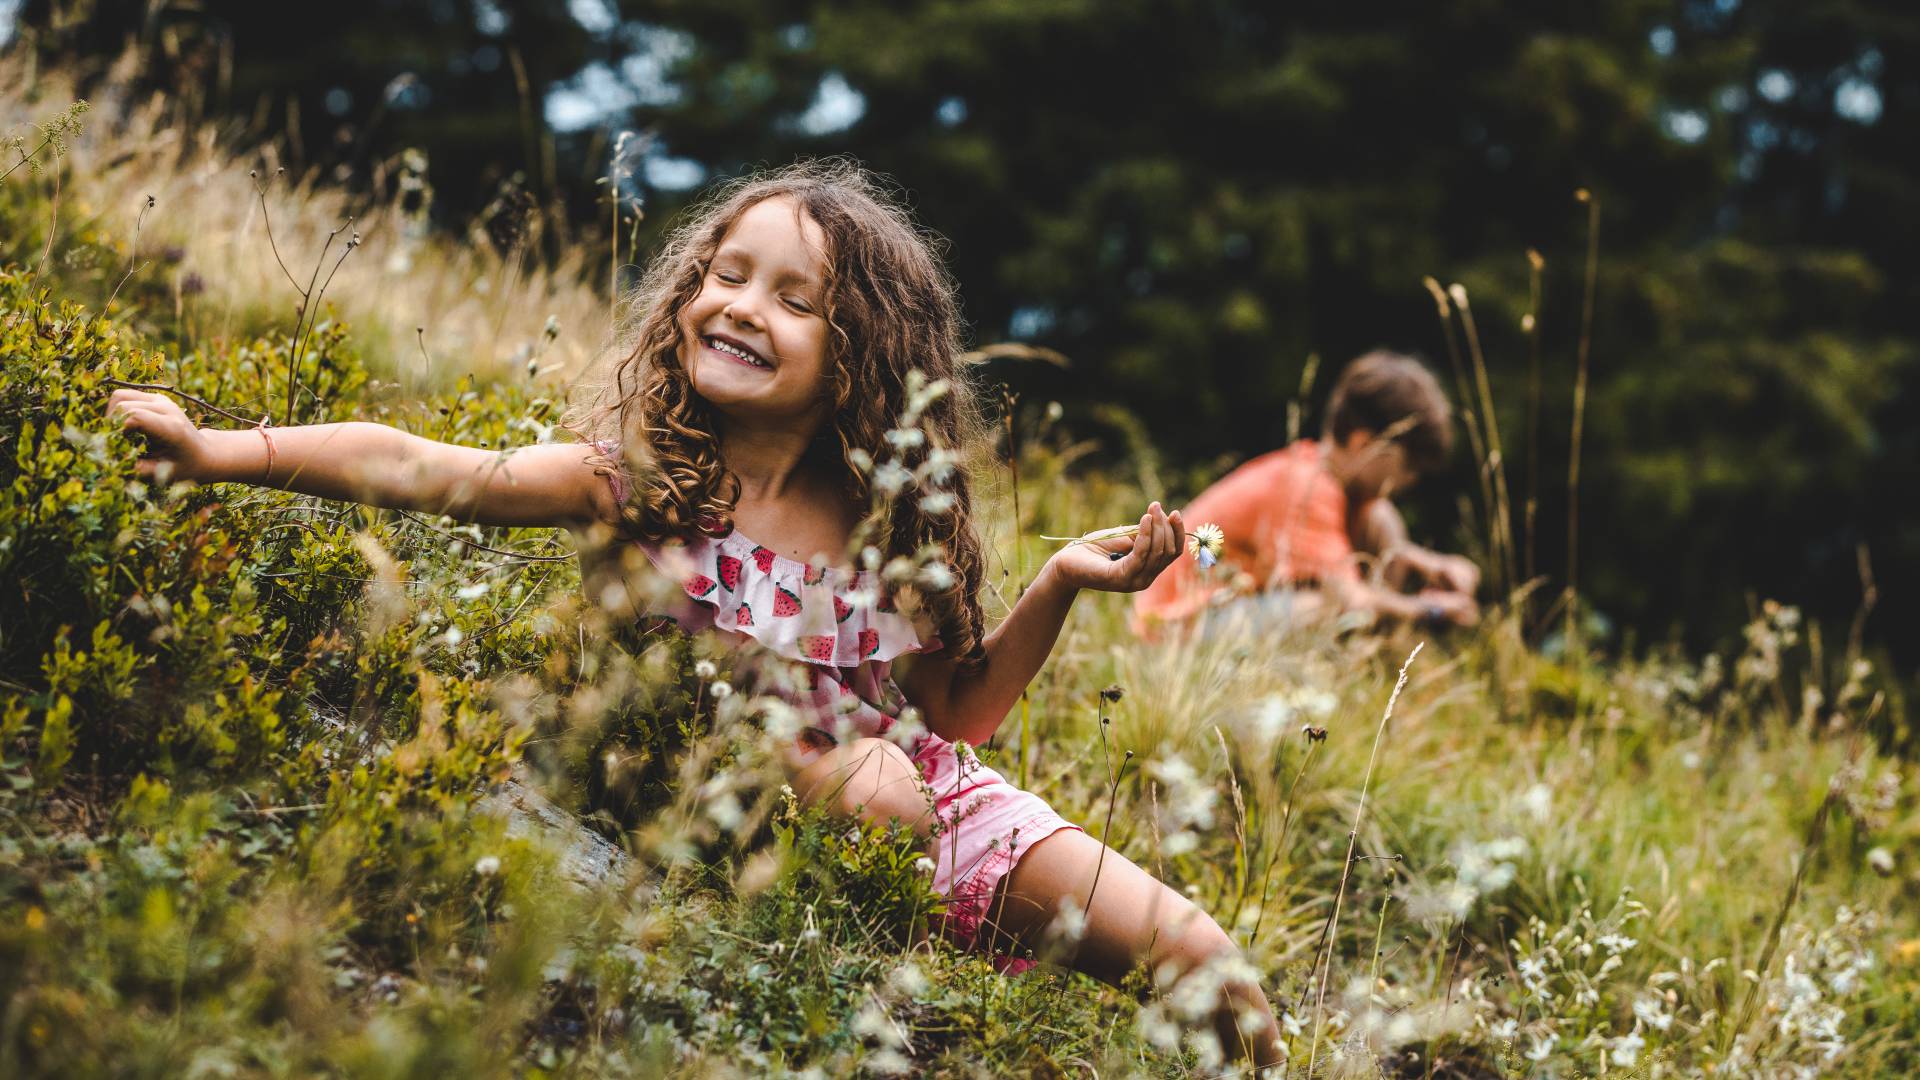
(828, 616)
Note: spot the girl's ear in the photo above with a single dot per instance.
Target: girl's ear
(1356, 440)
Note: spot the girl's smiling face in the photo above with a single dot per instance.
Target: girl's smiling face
(754, 339)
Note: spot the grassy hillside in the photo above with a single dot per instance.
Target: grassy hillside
(291, 788)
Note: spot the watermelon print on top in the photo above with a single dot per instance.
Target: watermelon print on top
(845, 638)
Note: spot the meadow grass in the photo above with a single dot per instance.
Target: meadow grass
(1557, 866)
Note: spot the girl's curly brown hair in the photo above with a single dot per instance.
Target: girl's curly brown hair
(891, 309)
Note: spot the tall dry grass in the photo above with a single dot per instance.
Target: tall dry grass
(426, 305)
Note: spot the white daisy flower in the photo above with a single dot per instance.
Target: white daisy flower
(1205, 543)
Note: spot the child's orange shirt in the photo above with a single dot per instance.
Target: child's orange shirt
(1285, 519)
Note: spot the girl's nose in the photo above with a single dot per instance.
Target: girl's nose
(743, 311)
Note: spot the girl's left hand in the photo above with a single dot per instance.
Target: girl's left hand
(1141, 557)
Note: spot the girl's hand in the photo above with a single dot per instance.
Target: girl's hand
(172, 439)
(1140, 557)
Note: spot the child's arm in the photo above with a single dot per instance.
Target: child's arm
(971, 707)
(1453, 573)
(547, 485)
(1433, 606)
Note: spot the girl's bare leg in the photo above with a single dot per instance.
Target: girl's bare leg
(868, 778)
(1132, 919)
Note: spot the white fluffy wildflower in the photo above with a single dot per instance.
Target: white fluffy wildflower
(472, 592)
(1158, 1029)
(888, 1062)
(724, 809)
(780, 720)
(906, 438)
(891, 478)
(487, 865)
(721, 690)
(1541, 1049)
(1615, 944)
(705, 670)
(1881, 860)
(872, 1023)
(1626, 1049)
(908, 980)
(923, 865)
(1652, 1012)
(940, 465)
(1533, 974)
(937, 576)
(1537, 801)
(1070, 925)
(938, 502)
(1273, 718)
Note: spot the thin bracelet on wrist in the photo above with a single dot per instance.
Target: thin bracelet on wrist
(261, 427)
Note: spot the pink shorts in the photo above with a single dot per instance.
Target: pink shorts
(987, 825)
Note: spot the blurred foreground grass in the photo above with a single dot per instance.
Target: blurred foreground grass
(255, 754)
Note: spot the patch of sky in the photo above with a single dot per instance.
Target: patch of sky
(487, 58)
(1857, 100)
(338, 101)
(1775, 85)
(1731, 98)
(951, 112)
(1709, 14)
(9, 17)
(657, 50)
(406, 91)
(594, 16)
(1687, 125)
(797, 36)
(598, 92)
(836, 106)
(1869, 62)
(1662, 41)
(1027, 323)
(489, 18)
(1762, 135)
(588, 98)
(664, 173)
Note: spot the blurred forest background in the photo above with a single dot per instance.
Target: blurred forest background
(1192, 199)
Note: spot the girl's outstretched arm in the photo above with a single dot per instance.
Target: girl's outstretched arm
(547, 485)
(971, 708)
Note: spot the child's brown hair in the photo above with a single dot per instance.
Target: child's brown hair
(891, 309)
(1390, 393)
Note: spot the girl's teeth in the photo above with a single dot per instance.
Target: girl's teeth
(731, 351)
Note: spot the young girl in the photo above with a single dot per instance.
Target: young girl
(781, 326)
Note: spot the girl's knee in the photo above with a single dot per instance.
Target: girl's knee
(1190, 941)
(870, 778)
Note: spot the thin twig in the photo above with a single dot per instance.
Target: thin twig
(1280, 851)
(477, 545)
(260, 190)
(1580, 414)
(1353, 839)
(163, 388)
